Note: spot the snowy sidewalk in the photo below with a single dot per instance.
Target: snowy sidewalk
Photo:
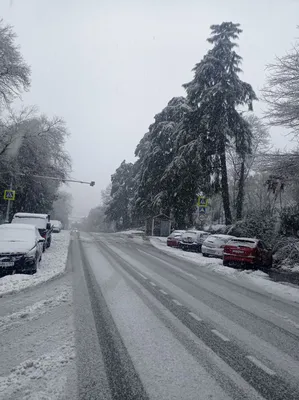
(53, 264)
(258, 278)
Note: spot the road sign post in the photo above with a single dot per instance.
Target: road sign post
(9, 195)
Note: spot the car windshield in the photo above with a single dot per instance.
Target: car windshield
(40, 223)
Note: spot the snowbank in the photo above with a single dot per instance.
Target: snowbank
(44, 378)
(35, 310)
(53, 264)
(131, 232)
(258, 278)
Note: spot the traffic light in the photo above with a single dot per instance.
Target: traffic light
(92, 183)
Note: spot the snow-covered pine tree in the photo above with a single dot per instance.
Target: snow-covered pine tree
(156, 152)
(217, 91)
(118, 209)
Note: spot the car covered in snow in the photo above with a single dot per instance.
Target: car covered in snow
(214, 245)
(174, 238)
(247, 252)
(20, 248)
(41, 221)
(192, 240)
(56, 226)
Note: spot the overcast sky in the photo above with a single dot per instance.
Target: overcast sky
(107, 67)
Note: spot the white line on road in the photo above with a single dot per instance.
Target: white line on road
(224, 338)
(177, 302)
(153, 284)
(260, 365)
(195, 316)
(163, 291)
(142, 276)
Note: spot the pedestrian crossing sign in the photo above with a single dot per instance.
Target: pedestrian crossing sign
(202, 201)
(9, 195)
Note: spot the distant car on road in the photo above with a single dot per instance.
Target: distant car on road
(192, 240)
(214, 245)
(41, 221)
(20, 248)
(247, 252)
(174, 238)
(56, 225)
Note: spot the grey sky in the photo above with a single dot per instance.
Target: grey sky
(107, 67)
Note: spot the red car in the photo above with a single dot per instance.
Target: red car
(174, 238)
(248, 252)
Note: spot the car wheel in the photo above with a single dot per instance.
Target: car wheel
(226, 263)
(205, 255)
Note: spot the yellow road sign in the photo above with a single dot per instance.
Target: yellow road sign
(202, 201)
(9, 195)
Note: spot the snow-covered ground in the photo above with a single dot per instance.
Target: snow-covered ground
(131, 232)
(53, 264)
(39, 379)
(258, 278)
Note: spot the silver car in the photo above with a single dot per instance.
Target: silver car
(214, 245)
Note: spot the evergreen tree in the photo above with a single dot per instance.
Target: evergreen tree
(118, 209)
(216, 92)
(156, 152)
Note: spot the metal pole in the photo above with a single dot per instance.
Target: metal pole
(8, 204)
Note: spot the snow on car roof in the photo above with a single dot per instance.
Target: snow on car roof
(244, 239)
(18, 226)
(222, 236)
(30, 215)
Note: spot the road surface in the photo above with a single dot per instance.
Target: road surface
(150, 326)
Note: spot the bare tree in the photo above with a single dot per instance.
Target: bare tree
(281, 91)
(240, 168)
(14, 72)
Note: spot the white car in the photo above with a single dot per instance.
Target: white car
(214, 245)
(21, 248)
(56, 225)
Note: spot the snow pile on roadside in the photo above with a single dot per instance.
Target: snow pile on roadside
(53, 264)
(34, 311)
(131, 232)
(258, 278)
(44, 378)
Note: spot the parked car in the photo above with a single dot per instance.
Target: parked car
(174, 238)
(21, 248)
(214, 245)
(41, 221)
(247, 252)
(56, 226)
(192, 240)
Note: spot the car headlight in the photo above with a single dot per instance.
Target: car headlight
(31, 253)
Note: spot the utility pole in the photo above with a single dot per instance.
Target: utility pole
(8, 204)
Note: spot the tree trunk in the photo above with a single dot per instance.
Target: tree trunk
(224, 187)
(240, 196)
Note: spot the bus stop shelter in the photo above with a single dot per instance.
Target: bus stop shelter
(158, 225)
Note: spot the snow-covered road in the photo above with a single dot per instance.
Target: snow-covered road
(37, 351)
(127, 321)
(157, 327)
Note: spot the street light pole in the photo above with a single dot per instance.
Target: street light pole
(8, 204)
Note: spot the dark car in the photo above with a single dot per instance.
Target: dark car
(41, 221)
(174, 238)
(247, 252)
(193, 240)
(20, 248)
